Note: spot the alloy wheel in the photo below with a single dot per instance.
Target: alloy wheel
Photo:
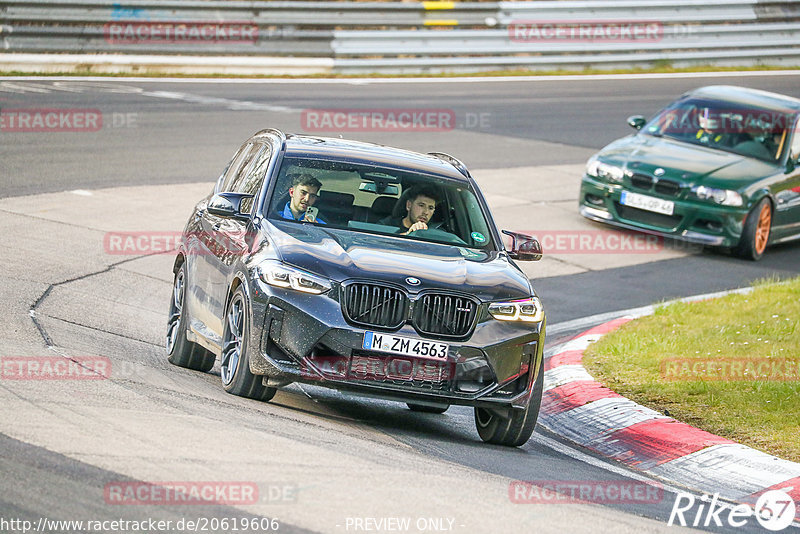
(232, 343)
(175, 311)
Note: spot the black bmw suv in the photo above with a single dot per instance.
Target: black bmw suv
(363, 268)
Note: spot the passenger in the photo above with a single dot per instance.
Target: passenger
(420, 205)
(302, 196)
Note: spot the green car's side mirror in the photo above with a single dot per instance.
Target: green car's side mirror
(636, 121)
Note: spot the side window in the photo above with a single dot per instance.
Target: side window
(251, 179)
(232, 165)
(238, 166)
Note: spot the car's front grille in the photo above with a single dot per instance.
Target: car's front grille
(415, 373)
(668, 187)
(374, 305)
(436, 313)
(641, 181)
(648, 217)
(444, 314)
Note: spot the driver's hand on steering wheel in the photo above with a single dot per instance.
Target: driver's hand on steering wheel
(419, 225)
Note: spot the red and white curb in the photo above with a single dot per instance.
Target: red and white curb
(584, 411)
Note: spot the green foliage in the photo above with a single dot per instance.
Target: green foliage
(730, 365)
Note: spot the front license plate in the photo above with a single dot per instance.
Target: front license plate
(407, 346)
(644, 202)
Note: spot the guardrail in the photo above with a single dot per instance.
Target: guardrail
(437, 36)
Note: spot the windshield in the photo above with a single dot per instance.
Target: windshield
(749, 131)
(371, 199)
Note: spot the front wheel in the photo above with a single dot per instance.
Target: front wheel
(516, 428)
(234, 366)
(755, 234)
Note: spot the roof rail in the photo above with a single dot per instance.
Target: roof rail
(271, 131)
(455, 162)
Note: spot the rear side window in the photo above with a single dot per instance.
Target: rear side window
(251, 177)
(238, 166)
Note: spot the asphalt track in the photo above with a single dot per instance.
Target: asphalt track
(342, 456)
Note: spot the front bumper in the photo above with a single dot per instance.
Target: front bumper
(305, 338)
(693, 221)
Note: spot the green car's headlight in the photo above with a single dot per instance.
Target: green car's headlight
(724, 197)
(528, 310)
(279, 274)
(612, 173)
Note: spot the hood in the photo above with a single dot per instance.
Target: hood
(339, 254)
(686, 163)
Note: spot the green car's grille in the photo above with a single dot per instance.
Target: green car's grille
(648, 183)
(668, 187)
(642, 181)
(647, 217)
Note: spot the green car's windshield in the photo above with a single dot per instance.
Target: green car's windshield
(367, 198)
(748, 131)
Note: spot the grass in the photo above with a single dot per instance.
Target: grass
(730, 366)
(659, 68)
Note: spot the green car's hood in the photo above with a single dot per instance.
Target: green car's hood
(684, 162)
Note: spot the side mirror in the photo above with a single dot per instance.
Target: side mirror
(636, 121)
(228, 205)
(793, 162)
(524, 247)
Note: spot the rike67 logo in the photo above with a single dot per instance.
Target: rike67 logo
(774, 510)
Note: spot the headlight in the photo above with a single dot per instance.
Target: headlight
(719, 196)
(528, 310)
(612, 173)
(279, 274)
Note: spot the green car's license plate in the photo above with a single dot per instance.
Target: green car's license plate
(648, 203)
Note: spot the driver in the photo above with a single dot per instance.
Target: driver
(709, 133)
(420, 206)
(302, 196)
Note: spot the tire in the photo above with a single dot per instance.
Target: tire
(516, 428)
(755, 234)
(181, 351)
(234, 361)
(427, 409)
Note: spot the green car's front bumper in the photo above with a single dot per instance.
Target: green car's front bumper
(692, 220)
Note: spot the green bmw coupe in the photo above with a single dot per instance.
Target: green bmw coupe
(719, 166)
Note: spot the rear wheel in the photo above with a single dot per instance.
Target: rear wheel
(755, 234)
(515, 428)
(181, 351)
(427, 409)
(235, 364)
